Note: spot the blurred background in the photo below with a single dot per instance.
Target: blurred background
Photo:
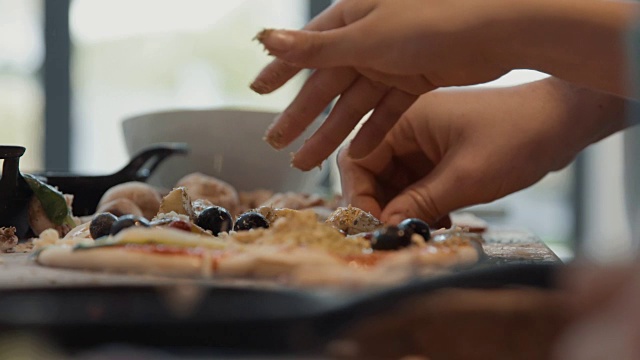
(72, 70)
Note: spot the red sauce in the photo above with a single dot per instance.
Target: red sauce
(216, 256)
(164, 249)
(365, 260)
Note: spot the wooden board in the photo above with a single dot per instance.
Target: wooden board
(513, 246)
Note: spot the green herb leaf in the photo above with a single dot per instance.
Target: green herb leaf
(52, 200)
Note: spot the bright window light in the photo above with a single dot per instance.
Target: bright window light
(95, 20)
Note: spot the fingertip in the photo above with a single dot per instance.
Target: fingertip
(261, 34)
(276, 41)
(274, 135)
(308, 49)
(301, 163)
(274, 139)
(395, 219)
(443, 222)
(259, 87)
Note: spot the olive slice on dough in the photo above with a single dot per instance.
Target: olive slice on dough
(215, 219)
(390, 238)
(416, 226)
(101, 224)
(127, 221)
(251, 220)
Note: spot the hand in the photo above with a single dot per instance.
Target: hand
(380, 55)
(385, 54)
(458, 148)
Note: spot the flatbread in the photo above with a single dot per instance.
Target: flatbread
(297, 249)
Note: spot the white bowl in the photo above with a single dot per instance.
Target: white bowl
(224, 143)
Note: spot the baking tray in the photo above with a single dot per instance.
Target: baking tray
(237, 318)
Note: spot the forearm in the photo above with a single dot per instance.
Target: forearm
(580, 41)
(590, 114)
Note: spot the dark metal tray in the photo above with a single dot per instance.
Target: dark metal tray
(246, 319)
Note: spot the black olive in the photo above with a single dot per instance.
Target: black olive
(416, 226)
(216, 219)
(390, 238)
(126, 221)
(251, 220)
(101, 224)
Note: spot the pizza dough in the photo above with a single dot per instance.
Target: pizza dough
(296, 249)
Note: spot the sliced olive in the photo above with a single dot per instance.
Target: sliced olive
(416, 226)
(216, 219)
(126, 221)
(251, 220)
(390, 238)
(101, 224)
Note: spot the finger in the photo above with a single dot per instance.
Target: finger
(450, 186)
(316, 49)
(359, 186)
(278, 72)
(316, 94)
(326, 42)
(412, 84)
(443, 222)
(273, 76)
(386, 114)
(352, 106)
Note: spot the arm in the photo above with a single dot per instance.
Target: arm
(584, 42)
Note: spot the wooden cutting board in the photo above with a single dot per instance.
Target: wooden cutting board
(502, 246)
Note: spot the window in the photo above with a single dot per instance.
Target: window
(21, 93)
(135, 56)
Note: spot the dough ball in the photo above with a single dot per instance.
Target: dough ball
(143, 195)
(218, 192)
(119, 207)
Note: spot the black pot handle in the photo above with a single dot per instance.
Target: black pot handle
(147, 160)
(14, 191)
(88, 190)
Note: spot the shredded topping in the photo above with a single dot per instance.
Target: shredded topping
(301, 228)
(8, 238)
(353, 220)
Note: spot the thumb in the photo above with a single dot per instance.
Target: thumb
(444, 190)
(308, 49)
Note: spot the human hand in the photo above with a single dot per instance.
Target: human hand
(380, 55)
(376, 55)
(458, 148)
